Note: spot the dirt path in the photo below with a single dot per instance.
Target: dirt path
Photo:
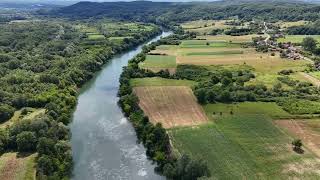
(313, 80)
(302, 130)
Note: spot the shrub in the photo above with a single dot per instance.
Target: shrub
(26, 141)
(6, 112)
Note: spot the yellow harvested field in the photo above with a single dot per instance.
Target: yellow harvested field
(227, 38)
(14, 166)
(261, 62)
(202, 23)
(172, 106)
(284, 25)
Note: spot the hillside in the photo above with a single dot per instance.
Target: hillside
(164, 12)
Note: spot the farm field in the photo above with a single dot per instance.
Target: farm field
(171, 106)
(206, 26)
(15, 166)
(242, 147)
(227, 38)
(159, 62)
(297, 38)
(308, 130)
(157, 81)
(271, 109)
(284, 25)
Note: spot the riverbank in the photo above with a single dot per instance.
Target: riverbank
(103, 142)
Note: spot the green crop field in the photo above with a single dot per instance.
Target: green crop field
(245, 147)
(95, 36)
(208, 44)
(217, 53)
(157, 81)
(158, 61)
(297, 38)
(245, 108)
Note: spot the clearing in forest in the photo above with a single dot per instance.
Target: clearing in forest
(30, 113)
(171, 106)
(245, 147)
(14, 166)
(307, 130)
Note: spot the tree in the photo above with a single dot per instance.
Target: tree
(297, 145)
(6, 112)
(201, 95)
(309, 44)
(46, 146)
(26, 141)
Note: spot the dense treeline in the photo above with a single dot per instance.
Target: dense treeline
(222, 85)
(165, 13)
(309, 29)
(42, 64)
(154, 137)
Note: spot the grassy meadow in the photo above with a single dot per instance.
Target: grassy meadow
(14, 166)
(157, 81)
(159, 61)
(297, 38)
(270, 109)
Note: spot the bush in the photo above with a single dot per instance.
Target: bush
(26, 141)
(6, 112)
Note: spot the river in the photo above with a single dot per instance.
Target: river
(104, 143)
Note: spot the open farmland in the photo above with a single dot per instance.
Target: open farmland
(245, 147)
(203, 27)
(159, 62)
(284, 25)
(227, 38)
(157, 81)
(14, 166)
(307, 130)
(271, 109)
(171, 106)
(297, 38)
(259, 61)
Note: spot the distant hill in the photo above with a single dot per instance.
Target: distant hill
(165, 12)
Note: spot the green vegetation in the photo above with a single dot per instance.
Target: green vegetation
(157, 81)
(241, 147)
(218, 53)
(42, 65)
(208, 44)
(300, 106)
(154, 137)
(270, 109)
(159, 61)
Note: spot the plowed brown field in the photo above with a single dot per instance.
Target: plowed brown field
(171, 106)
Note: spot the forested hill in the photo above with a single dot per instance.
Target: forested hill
(164, 12)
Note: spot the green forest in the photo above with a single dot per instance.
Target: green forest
(251, 65)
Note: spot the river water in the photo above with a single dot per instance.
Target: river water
(104, 143)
